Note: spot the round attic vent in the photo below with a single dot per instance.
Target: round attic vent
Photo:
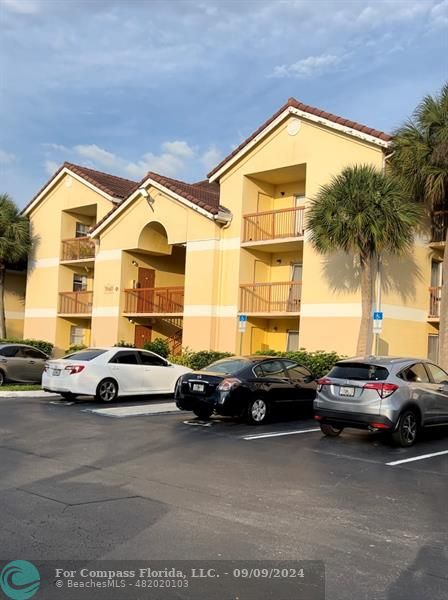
(293, 127)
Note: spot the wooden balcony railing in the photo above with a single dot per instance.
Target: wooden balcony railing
(75, 303)
(439, 226)
(271, 297)
(434, 302)
(165, 300)
(274, 224)
(80, 248)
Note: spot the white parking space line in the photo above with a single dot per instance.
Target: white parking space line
(414, 458)
(135, 411)
(278, 434)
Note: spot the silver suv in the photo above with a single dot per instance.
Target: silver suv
(395, 395)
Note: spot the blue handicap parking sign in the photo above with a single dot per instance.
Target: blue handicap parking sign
(377, 316)
(243, 318)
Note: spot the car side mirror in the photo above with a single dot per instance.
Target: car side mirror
(309, 378)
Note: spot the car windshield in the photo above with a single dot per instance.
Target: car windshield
(359, 371)
(226, 366)
(88, 354)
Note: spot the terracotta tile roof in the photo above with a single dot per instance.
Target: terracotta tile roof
(117, 187)
(207, 197)
(202, 193)
(292, 102)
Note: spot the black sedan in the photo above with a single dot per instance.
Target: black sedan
(249, 387)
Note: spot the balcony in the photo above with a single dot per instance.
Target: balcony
(439, 227)
(434, 303)
(271, 299)
(274, 229)
(154, 301)
(75, 303)
(80, 249)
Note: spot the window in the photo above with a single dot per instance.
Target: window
(415, 374)
(293, 341)
(359, 372)
(296, 371)
(32, 354)
(79, 282)
(227, 366)
(125, 358)
(152, 359)
(433, 347)
(437, 374)
(76, 336)
(88, 354)
(81, 230)
(8, 351)
(271, 368)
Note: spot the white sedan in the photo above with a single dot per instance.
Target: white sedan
(107, 373)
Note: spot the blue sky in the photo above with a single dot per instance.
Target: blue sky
(173, 86)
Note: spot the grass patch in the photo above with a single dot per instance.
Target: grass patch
(11, 387)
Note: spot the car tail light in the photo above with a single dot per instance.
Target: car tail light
(384, 389)
(379, 426)
(318, 417)
(228, 384)
(74, 369)
(321, 382)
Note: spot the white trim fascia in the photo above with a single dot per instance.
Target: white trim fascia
(123, 206)
(353, 310)
(210, 310)
(304, 115)
(40, 313)
(11, 314)
(214, 244)
(54, 180)
(44, 263)
(106, 311)
(108, 255)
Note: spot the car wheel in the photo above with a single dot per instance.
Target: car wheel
(2, 378)
(330, 431)
(68, 395)
(407, 430)
(203, 413)
(107, 390)
(257, 412)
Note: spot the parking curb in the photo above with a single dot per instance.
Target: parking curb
(28, 394)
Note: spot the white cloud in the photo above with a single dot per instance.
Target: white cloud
(51, 166)
(309, 67)
(176, 157)
(211, 157)
(25, 7)
(439, 14)
(6, 158)
(179, 148)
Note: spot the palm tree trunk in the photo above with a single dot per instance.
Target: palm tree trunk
(365, 337)
(2, 302)
(443, 325)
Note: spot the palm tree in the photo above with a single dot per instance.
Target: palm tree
(420, 159)
(15, 245)
(363, 212)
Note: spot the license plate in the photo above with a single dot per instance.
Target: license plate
(347, 391)
(56, 372)
(198, 387)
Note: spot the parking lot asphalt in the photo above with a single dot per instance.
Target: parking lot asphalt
(78, 485)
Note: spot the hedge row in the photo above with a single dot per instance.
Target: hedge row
(318, 362)
(46, 347)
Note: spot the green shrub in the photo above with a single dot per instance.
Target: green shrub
(198, 360)
(123, 344)
(75, 348)
(160, 346)
(318, 361)
(46, 347)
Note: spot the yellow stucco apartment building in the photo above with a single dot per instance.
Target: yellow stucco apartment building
(124, 260)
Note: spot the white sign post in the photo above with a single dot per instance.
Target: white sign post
(242, 324)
